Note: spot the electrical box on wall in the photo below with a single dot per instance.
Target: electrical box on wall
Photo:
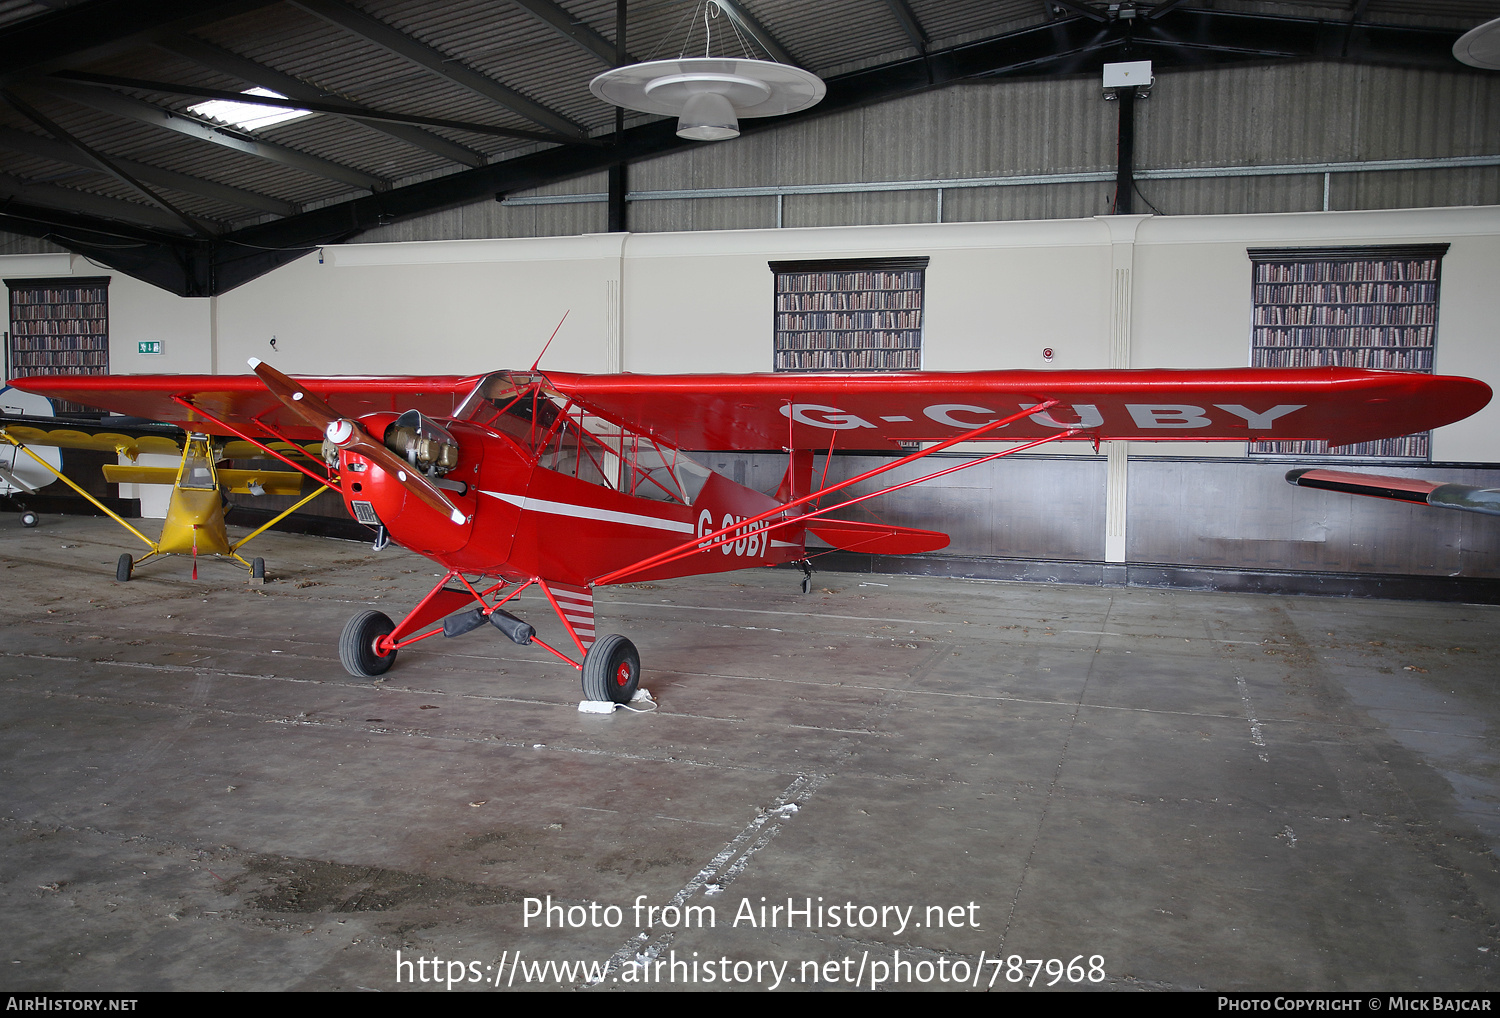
(1134, 74)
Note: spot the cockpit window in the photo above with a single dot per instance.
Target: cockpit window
(570, 441)
(197, 465)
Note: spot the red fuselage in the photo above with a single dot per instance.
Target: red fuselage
(523, 520)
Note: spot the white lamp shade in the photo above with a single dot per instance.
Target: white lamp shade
(707, 116)
(710, 94)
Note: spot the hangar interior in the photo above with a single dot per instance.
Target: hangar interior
(458, 191)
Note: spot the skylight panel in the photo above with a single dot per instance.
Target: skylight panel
(248, 115)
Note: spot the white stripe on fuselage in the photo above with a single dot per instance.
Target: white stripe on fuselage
(588, 512)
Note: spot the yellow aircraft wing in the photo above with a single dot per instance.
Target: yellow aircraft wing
(129, 446)
(132, 447)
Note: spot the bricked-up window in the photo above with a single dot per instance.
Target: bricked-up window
(849, 315)
(59, 326)
(1361, 307)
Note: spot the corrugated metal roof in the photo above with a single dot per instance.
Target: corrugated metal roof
(514, 48)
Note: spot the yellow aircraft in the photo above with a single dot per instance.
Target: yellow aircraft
(195, 512)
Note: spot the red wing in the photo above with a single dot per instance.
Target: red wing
(242, 399)
(1338, 405)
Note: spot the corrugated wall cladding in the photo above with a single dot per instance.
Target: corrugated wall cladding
(1245, 515)
(491, 219)
(1232, 117)
(1315, 112)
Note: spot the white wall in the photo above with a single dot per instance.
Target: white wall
(446, 307)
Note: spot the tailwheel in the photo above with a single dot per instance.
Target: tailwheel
(611, 670)
(123, 567)
(29, 518)
(357, 651)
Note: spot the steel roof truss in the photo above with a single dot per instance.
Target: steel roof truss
(762, 34)
(46, 148)
(102, 162)
(146, 113)
(345, 110)
(215, 58)
(419, 53)
(85, 202)
(572, 29)
(909, 23)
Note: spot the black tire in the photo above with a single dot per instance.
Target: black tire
(123, 568)
(357, 645)
(611, 670)
(257, 569)
(29, 519)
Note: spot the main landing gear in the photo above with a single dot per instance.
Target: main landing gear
(125, 568)
(611, 670)
(359, 650)
(610, 667)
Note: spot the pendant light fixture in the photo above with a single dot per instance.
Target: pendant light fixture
(723, 79)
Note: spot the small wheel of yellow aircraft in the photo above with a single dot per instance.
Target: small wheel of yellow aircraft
(195, 513)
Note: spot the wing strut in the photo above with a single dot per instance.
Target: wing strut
(718, 537)
(256, 442)
(98, 504)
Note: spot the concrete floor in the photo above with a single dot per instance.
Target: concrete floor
(1204, 790)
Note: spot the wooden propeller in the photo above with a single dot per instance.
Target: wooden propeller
(350, 435)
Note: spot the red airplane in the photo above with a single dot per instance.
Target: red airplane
(567, 482)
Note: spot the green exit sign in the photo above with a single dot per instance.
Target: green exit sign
(148, 346)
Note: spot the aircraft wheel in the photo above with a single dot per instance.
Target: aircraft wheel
(29, 519)
(123, 568)
(357, 651)
(611, 670)
(257, 569)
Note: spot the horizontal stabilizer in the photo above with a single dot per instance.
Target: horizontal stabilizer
(241, 482)
(1402, 489)
(877, 538)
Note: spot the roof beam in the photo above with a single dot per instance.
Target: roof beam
(46, 148)
(253, 73)
(346, 110)
(146, 113)
(101, 29)
(419, 53)
(101, 162)
(572, 29)
(909, 23)
(1079, 7)
(66, 198)
(762, 34)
